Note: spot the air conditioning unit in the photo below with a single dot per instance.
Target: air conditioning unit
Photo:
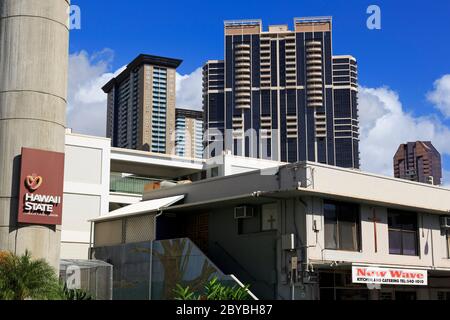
(445, 222)
(243, 212)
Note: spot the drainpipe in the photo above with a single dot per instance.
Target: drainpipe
(91, 240)
(161, 212)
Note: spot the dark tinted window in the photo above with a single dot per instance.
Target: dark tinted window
(342, 225)
(403, 239)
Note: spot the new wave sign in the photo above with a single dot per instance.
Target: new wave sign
(389, 276)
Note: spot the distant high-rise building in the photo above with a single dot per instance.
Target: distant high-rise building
(141, 105)
(418, 161)
(213, 101)
(189, 133)
(281, 94)
(346, 123)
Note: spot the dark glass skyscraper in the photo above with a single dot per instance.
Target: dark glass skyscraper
(279, 96)
(346, 124)
(213, 102)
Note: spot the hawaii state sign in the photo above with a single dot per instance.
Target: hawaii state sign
(41, 187)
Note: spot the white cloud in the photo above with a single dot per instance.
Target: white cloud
(86, 112)
(385, 125)
(440, 95)
(88, 73)
(189, 90)
(446, 179)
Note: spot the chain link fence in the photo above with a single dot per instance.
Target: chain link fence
(93, 276)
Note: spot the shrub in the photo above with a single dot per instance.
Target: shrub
(214, 290)
(22, 278)
(76, 294)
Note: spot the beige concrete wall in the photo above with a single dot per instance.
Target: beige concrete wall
(313, 27)
(433, 251)
(352, 184)
(33, 88)
(242, 29)
(190, 138)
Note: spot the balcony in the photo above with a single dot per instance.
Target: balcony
(313, 43)
(244, 46)
(314, 50)
(242, 82)
(242, 58)
(313, 56)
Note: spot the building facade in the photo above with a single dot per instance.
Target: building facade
(189, 133)
(418, 161)
(141, 105)
(346, 123)
(117, 178)
(305, 231)
(279, 94)
(213, 106)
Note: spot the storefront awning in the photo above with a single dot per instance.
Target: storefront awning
(140, 208)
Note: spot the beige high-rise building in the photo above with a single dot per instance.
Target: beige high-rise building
(189, 133)
(141, 105)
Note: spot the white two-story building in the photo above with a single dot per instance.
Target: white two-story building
(304, 231)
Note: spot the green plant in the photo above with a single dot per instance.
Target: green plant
(76, 294)
(22, 278)
(214, 290)
(184, 293)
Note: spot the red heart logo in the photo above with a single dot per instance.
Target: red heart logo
(33, 182)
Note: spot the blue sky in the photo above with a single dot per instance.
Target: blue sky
(408, 54)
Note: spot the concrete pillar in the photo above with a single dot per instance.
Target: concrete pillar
(34, 40)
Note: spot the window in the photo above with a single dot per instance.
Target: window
(342, 225)
(265, 219)
(269, 217)
(448, 244)
(443, 295)
(214, 172)
(402, 233)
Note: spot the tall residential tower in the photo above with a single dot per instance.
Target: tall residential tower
(285, 96)
(141, 105)
(189, 133)
(418, 161)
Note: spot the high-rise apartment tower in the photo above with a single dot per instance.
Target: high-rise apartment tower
(189, 133)
(141, 105)
(418, 161)
(284, 96)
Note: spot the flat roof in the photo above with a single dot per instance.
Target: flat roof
(159, 165)
(189, 113)
(321, 180)
(139, 61)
